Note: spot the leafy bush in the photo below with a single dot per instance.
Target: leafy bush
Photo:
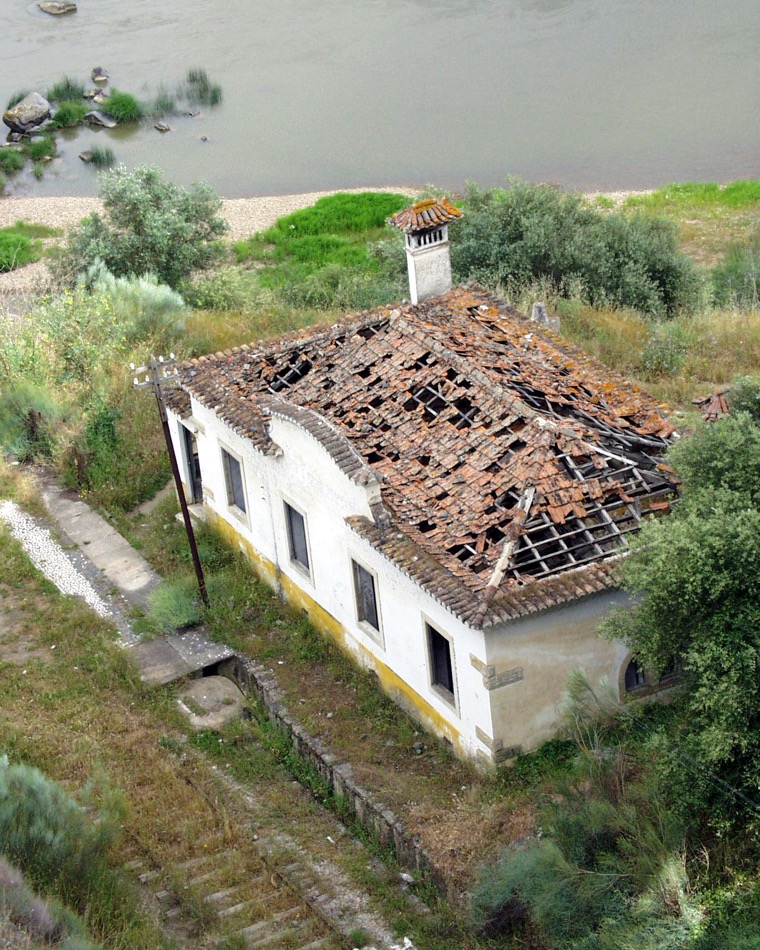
(528, 232)
(49, 835)
(736, 280)
(744, 396)
(224, 289)
(68, 114)
(11, 160)
(150, 226)
(66, 90)
(665, 352)
(123, 107)
(146, 309)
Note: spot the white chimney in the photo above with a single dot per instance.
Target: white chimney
(426, 230)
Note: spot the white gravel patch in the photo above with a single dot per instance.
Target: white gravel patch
(50, 558)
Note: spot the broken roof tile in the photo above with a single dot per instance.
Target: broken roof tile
(456, 411)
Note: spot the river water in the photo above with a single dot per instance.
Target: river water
(337, 93)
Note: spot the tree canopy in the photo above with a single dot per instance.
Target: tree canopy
(150, 226)
(698, 576)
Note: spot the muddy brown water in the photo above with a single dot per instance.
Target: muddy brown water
(337, 93)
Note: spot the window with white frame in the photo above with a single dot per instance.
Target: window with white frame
(297, 543)
(233, 479)
(441, 664)
(365, 591)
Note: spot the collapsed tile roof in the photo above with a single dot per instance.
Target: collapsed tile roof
(511, 465)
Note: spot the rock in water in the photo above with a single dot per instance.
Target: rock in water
(86, 156)
(57, 8)
(161, 127)
(100, 118)
(99, 74)
(25, 115)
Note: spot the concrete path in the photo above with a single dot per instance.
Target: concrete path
(106, 556)
(124, 568)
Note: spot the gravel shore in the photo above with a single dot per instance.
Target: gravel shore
(244, 215)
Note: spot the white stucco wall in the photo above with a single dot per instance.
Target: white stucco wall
(429, 270)
(546, 649)
(305, 476)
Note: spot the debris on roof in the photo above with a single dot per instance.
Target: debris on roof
(512, 466)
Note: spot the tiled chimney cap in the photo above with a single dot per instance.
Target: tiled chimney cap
(425, 215)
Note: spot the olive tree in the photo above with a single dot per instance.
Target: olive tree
(149, 226)
(698, 576)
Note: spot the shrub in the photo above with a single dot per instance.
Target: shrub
(744, 396)
(66, 90)
(150, 226)
(11, 160)
(225, 289)
(49, 835)
(536, 232)
(146, 309)
(665, 353)
(102, 156)
(123, 107)
(68, 114)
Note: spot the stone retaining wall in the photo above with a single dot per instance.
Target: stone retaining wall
(384, 826)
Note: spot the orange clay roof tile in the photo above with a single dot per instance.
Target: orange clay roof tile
(425, 215)
(455, 408)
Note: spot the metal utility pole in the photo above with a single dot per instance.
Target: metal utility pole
(157, 375)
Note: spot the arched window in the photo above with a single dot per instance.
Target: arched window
(635, 677)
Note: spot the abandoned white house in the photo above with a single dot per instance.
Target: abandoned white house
(443, 486)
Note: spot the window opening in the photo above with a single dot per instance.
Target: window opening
(296, 522)
(442, 671)
(366, 596)
(233, 477)
(635, 677)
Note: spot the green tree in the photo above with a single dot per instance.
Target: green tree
(150, 226)
(532, 233)
(698, 576)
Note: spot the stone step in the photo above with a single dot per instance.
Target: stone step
(237, 908)
(205, 878)
(266, 928)
(218, 896)
(315, 944)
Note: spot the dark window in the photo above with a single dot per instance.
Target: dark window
(366, 596)
(635, 677)
(297, 536)
(440, 662)
(233, 476)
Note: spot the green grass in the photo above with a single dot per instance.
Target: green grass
(17, 96)
(199, 90)
(11, 160)
(69, 114)
(65, 90)
(319, 256)
(710, 216)
(19, 244)
(124, 107)
(744, 193)
(102, 156)
(41, 148)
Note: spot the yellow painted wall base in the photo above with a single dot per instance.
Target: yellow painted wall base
(392, 684)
